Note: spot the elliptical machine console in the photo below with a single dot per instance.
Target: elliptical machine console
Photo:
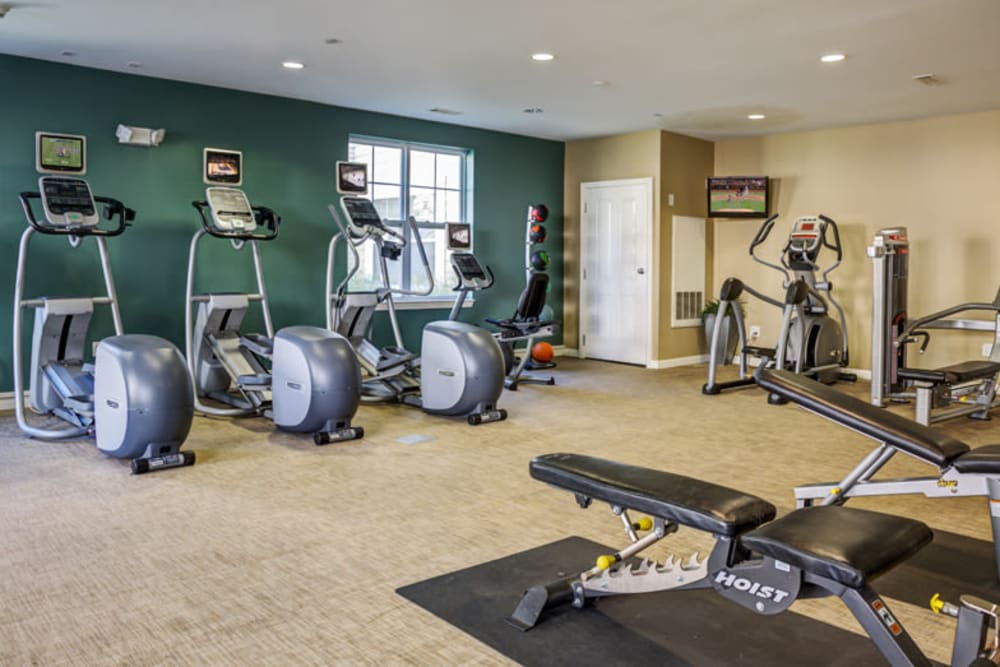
(108, 397)
(231, 210)
(306, 379)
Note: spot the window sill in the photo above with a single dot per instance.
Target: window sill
(428, 304)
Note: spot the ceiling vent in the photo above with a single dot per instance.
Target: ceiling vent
(445, 112)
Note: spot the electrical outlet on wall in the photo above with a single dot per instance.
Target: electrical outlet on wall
(987, 349)
(754, 332)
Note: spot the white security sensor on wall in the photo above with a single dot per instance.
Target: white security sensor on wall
(139, 136)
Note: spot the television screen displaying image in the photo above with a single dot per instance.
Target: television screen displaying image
(459, 236)
(60, 153)
(737, 197)
(352, 178)
(223, 167)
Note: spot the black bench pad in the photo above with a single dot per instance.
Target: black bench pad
(769, 352)
(895, 430)
(984, 460)
(963, 372)
(845, 544)
(683, 500)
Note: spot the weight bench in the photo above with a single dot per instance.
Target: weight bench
(962, 471)
(759, 563)
(948, 389)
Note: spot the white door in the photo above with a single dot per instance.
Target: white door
(615, 260)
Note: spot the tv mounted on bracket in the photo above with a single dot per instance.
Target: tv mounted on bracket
(737, 196)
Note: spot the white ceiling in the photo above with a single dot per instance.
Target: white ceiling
(702, 64)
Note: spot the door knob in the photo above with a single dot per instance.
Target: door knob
(641, 271)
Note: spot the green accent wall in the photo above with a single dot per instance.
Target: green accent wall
(289, 146)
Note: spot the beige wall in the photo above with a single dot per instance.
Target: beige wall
(685, 163)
(678, 165)
(938, 177)
(634, 155)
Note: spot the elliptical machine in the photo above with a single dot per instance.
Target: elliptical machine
(810, 341)
(135, 396)
(306, 379)
(461, 370)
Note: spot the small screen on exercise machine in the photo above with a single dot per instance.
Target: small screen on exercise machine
(60, 153)
(223, 167)
(352, 178)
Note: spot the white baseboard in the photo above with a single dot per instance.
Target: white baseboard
(7, 400)
(679, 361)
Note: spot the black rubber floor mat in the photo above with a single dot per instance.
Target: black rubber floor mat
(670, 628)
(950, 565)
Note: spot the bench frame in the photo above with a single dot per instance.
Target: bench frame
(761, 584)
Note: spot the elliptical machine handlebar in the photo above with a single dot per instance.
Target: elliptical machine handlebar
(763, 232)
(113, 210)
(759, 238)
(410, 227)
(265, 217)
(836, 245)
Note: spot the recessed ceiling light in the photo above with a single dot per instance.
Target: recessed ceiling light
(756, 116)
(833, 58)
(542, 57)
(292, 64)
(332, 40)
(599, 83)
(534, 110)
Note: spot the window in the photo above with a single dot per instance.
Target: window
(426, 182)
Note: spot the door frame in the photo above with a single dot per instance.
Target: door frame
(652, 267)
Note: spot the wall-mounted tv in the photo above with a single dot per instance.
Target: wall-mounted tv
(352, 178)
(737, 196)
(223, 167)
(60, 153)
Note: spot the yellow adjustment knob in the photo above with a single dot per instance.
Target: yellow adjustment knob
(645, 523)
(963, 399)
(937, 604)
(835, 491)
(604, 562)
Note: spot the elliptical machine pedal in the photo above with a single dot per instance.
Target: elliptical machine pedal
(340, 435)
(487, 416)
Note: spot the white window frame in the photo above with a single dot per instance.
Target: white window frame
(408, 302)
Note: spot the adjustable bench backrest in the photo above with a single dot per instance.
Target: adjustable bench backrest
(682, 500)
(532, 299)
(877, 423)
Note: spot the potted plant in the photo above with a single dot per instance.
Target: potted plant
(728, 334)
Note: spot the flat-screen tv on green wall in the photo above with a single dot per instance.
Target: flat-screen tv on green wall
(737, 196)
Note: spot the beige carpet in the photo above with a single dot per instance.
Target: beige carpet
(273, 551)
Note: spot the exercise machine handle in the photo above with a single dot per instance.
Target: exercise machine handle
(265, 217)
(760, 237)
(113, 210)
(836, 245)
(912, 337)
(763, 232)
